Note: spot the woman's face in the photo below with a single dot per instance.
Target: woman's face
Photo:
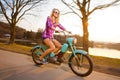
(56, 13)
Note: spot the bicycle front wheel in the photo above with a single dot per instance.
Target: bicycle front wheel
(81, 64)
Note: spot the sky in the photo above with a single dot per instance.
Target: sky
(104, 25)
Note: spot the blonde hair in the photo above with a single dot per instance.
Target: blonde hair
(57, 19)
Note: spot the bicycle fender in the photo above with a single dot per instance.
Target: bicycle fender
(81, 51)
(38, 46)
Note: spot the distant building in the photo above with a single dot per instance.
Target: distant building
(7, 35)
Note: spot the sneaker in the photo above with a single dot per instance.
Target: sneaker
(43, 61)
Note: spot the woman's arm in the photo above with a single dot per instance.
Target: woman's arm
(62, 28)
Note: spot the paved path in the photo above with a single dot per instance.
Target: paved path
(14, 66)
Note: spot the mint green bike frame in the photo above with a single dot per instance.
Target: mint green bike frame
(65, 46)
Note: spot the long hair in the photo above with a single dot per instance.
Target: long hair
(57, 19)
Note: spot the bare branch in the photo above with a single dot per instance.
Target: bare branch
(70, 12)
(29, 14)
(67, 13)
(32, 6)
(73, 7)
(21, 6)
(4, 12)
(104, 6)
(8, 4)
(107, 5)
(75, 2)
(69, 6)
(24, 13)
(79, 4)
(84, 6)
(13, 6)
(88, 8)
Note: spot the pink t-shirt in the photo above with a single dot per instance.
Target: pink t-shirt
(48, 32)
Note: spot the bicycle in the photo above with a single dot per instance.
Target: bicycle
(79, 61)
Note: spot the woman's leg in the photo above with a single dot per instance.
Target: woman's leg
(48, 42)
(57, 45)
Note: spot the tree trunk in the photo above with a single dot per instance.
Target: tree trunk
(85, 34)
(12, 33)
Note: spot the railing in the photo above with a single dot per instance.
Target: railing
(20, 41)
(7, 39)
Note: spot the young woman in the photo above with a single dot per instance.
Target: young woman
(48, 38)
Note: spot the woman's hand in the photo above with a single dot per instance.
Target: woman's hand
(68, 32)
(57, 31)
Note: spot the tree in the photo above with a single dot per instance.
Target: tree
(30, 35)
(14, 10)
(83, 9)
(39, 33)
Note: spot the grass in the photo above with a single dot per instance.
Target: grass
(103, 64)
(106, 65)
(16, 48)
(106, 62)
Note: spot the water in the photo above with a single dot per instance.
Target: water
(105, 52)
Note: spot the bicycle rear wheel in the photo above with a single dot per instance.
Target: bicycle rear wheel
(36, 53)
(81, 65)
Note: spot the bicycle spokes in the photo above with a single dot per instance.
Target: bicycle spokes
(80, 64)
